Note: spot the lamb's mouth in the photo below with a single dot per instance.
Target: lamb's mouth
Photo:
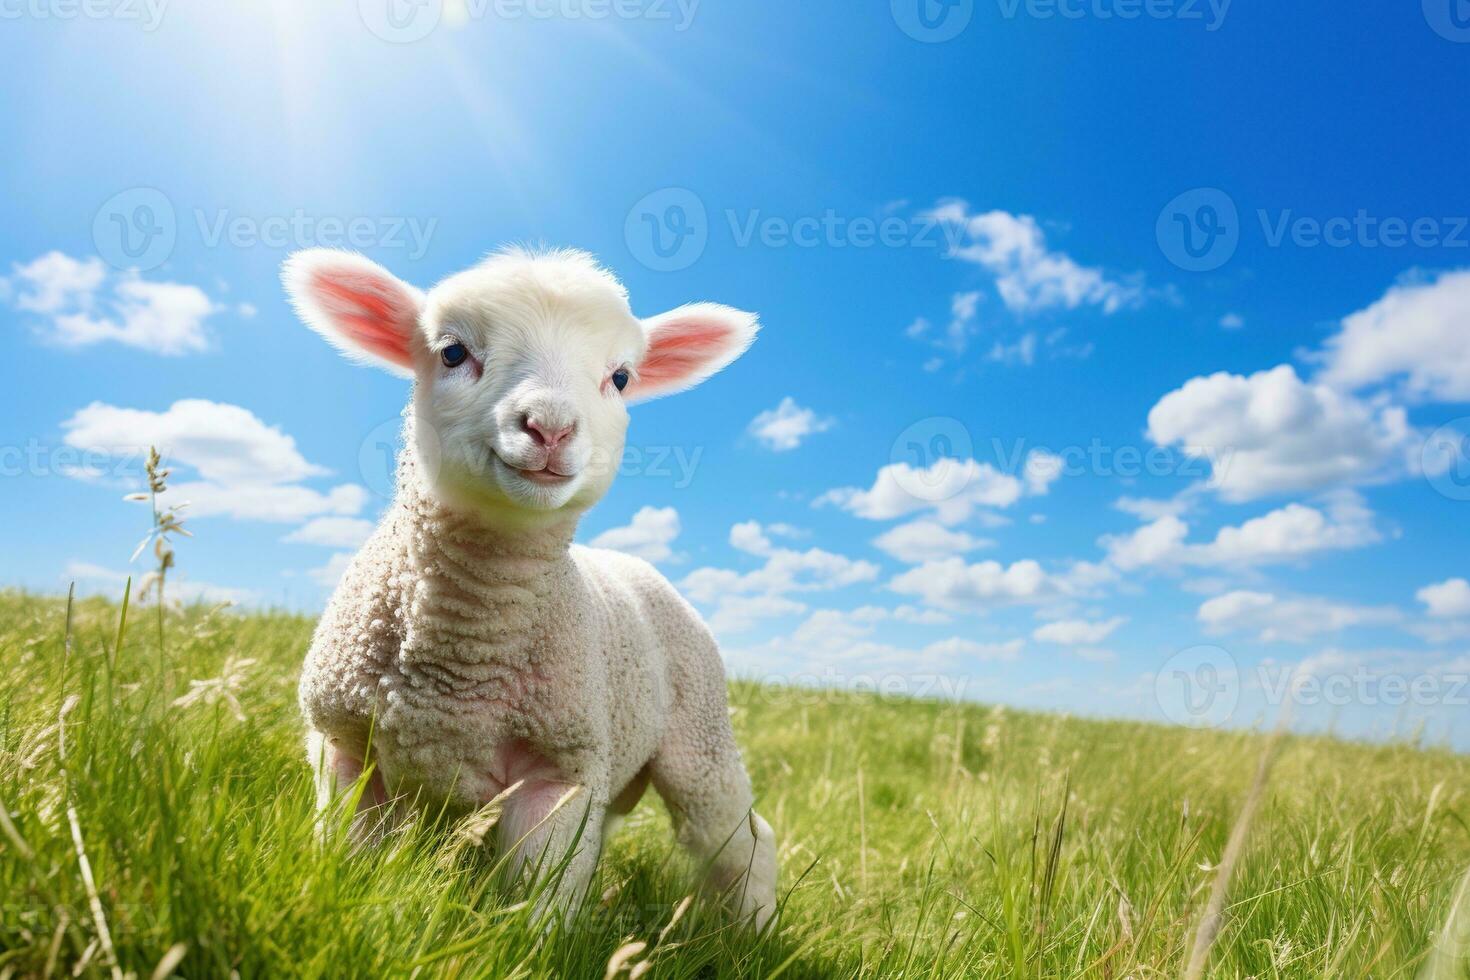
(545, 476)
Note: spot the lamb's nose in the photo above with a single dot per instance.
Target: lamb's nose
(547, 435)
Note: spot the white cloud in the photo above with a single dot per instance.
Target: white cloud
(99, 579)
(952, 584)
(1077, 632)
(750, 537)
(329, 574)
(1287, 534)
(1271, 432)
(287, 503)
(1096, 655)
(784, 427)
(1058, 349)
(1292, 532)
(842, 626)
(56, 281)
(1419, 332)
(1151, 509)
(1160, 542)
(1029, 276)
(958, 647)
(838, 645)
(785, 570)
(952, 488)
(332, 532)
(247, 469)
(1293, 620)
(754, 538)
(921, 541)
(224, 442)
(1206, 585)
(1232, 321)
(963, 308)
(162, 317)
(1021, 352)
(648, 535)
(1446, 600)
(1042, 469)
(738, 613)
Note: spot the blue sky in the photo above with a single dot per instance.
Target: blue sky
(1114, 354)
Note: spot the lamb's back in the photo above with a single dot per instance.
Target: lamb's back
(658, 628)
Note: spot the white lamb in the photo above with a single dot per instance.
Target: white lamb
(470, 645)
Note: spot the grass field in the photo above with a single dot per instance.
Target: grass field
(154, 834)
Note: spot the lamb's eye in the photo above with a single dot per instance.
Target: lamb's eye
(454, 355)
(620, 379)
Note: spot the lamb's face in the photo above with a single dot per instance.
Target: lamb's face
(524, 366)
(522, 380)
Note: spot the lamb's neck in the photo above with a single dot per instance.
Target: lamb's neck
(478, 592)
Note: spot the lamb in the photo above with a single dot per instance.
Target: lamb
(471, 648)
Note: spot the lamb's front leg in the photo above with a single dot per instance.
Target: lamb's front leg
(552, 833)
(699, 774)
(336, 771)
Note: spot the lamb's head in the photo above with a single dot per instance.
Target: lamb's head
(523, 366)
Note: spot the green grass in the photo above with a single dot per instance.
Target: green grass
(982, 842)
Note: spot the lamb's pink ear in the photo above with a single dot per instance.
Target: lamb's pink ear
(356, 304)
(689, 344)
